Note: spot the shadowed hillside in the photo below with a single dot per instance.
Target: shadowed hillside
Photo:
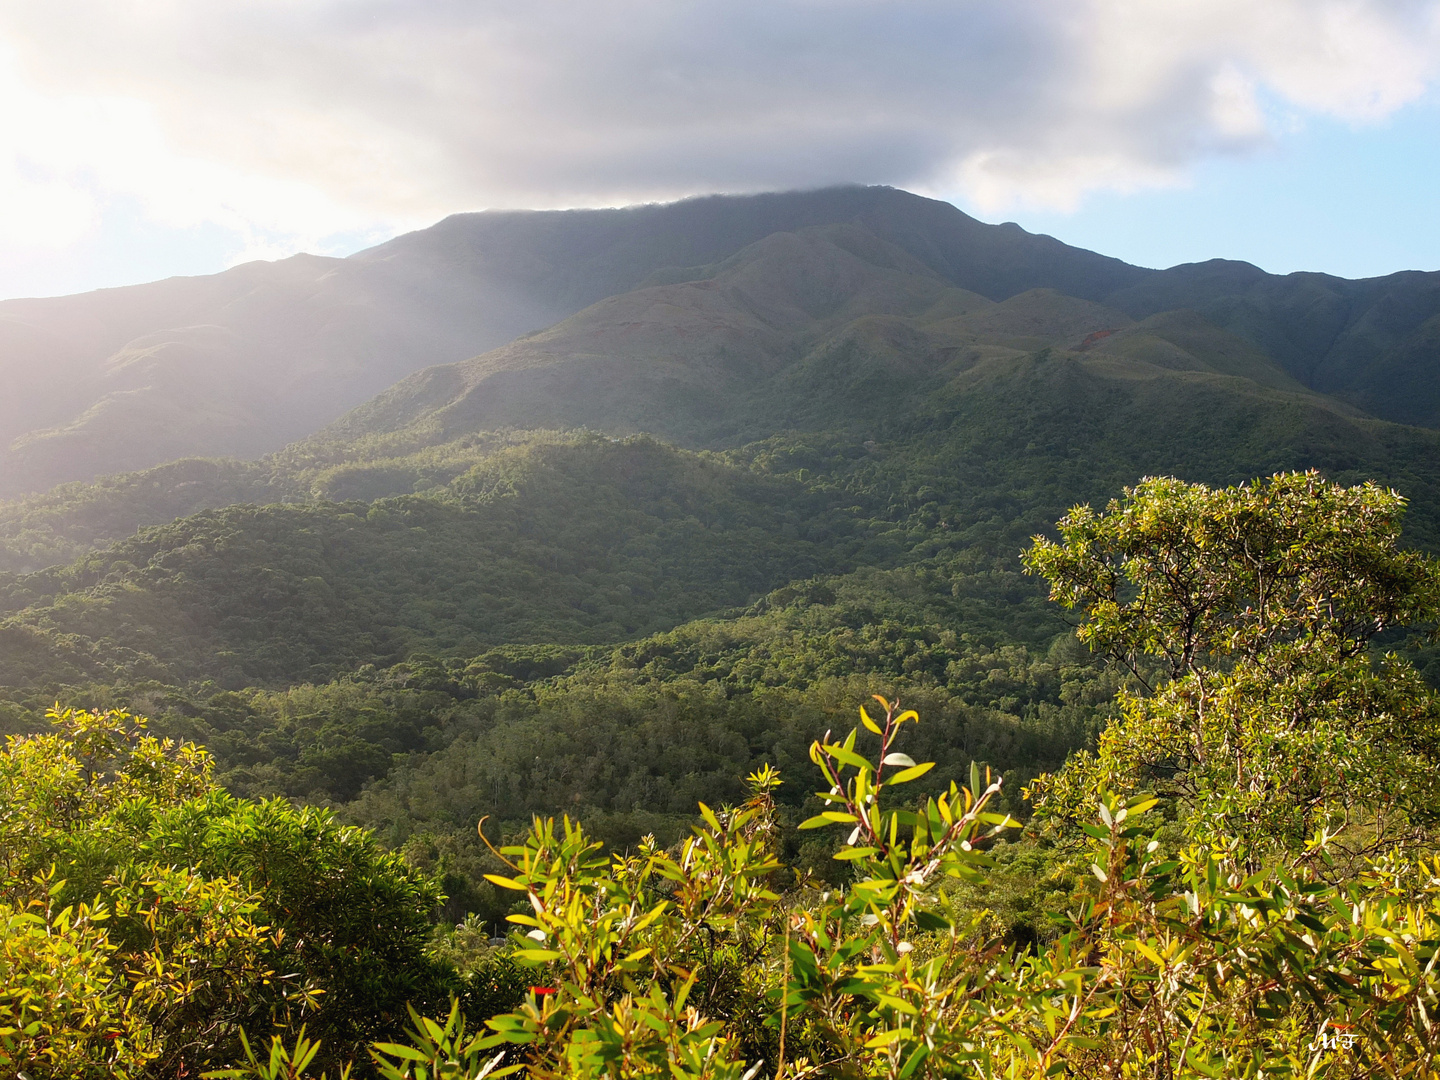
(243, 362)
(1373, 342)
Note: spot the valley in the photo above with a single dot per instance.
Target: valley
(597, 512)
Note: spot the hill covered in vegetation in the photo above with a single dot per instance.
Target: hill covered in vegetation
(244, 362)
(768, 458)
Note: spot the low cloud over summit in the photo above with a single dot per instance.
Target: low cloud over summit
(290, 121)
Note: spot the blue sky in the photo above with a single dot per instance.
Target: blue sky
(145, 138)
(1355, 201)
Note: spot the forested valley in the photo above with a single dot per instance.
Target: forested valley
(513, 721)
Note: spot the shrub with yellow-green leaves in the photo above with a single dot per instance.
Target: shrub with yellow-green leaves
(1167, 965)
(153, 921)
(62, 1010)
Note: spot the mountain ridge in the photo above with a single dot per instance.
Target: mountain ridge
(302, 340)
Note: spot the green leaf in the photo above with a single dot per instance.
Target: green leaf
(409, 1053)
(904, 776)
(506, 883)
(847, 756)
(870, 725)
(914, 1061)
(536, 956)
(932, 921)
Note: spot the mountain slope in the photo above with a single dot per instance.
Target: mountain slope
(243, 362)
(1373, 342)
(808, 330)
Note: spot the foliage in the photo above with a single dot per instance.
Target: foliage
(62, 1010)
(1164, 966)
(189, 917)
(1260, 601)
(705, 961)
(1262, 915)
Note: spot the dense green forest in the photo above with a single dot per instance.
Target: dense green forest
(615, 591)
(1225, 883)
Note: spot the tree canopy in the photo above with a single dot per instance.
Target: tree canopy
(1238, 881)
(1267, 713)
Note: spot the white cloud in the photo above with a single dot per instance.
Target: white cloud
(287, 121)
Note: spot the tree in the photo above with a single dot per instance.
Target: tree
(201, 916)
(1246, 616)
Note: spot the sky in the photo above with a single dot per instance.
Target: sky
(141, 139)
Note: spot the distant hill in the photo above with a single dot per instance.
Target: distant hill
(851, 378)
(812, 329)
(243, 362)
(1374, 343)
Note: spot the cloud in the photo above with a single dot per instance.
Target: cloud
(292, 120)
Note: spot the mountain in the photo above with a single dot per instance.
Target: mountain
(814, 329)
(243, 362)
(453, 547)
(1374, 343)
(827, 329)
